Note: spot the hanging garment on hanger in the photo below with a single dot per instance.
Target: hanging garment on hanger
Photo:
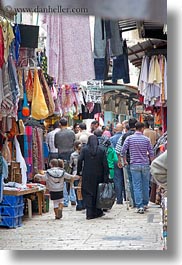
(121, 67)
(69, 50)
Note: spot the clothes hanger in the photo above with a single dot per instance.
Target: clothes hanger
(28, 67)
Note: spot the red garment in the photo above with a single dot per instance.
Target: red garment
(1, 48)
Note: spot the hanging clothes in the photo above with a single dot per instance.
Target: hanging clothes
(3, 174)
(121, 66)
(37, 150)
(28, 154)
(17, 41)
(1, 47)
(153, 80)
(39, 109)
(20, 159)
(69, 48)
(47, 93)
(8, 37)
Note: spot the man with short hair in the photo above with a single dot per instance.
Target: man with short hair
(140, 150)
(94, 125)
(118, 171)
(83, 134)
(53, 151)
(64, 141)
(151, 134)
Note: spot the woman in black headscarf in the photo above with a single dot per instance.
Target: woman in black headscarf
(93, 164)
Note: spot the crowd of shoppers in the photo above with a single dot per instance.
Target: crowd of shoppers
(95, 156)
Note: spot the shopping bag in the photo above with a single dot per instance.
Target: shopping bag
(105, 196)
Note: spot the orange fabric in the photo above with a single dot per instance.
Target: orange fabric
(29, 86)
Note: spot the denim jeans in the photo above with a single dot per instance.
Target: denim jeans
(130, 184)
(68, 196)
(140, 179)
(80, 203)
(118, 183)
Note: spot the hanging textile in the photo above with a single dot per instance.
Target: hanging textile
(28, 154)
(39, 109)
(17, 41)
(38, 160)
(69, 48)
(3, 174)
(25, 108)
(47, 93)
(29, 86)
(8, 37)
(153, 80)
(1, 47)
(20, 159)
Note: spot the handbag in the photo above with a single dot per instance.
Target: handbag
(105, 196)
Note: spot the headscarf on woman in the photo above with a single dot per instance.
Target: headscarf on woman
(93, 144)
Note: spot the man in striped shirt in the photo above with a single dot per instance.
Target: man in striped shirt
(141, 151)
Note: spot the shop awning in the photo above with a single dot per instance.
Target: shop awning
(124, 91)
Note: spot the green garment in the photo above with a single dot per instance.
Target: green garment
(112, 158)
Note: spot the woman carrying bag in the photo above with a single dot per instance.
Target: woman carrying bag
(93, 164)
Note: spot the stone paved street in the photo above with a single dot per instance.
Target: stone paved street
(119, 229)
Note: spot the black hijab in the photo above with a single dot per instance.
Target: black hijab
(93, 144)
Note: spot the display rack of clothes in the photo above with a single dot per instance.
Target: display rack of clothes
(153, 80)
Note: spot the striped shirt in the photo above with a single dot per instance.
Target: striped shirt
(50, 141)
(139, 147)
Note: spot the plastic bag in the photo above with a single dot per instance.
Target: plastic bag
(39, 107)
(105, 196)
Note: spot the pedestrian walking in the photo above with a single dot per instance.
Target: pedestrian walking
(92, 162)
(141, 152)
(77, 183)
(53, 151)
(55, 177)
(64, 141)
(126, 168)
(118, 171)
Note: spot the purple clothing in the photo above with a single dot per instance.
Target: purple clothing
(139, 147)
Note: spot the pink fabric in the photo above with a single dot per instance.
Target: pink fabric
(70, 57)
(107, 133)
